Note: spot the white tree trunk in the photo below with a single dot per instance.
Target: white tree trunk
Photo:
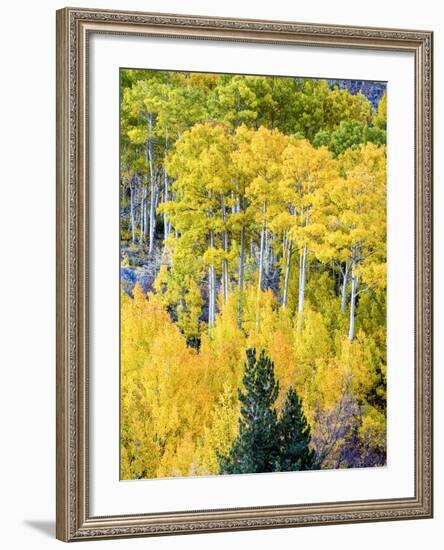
(354, 290)
(133, 221)
(225, 280)
(267, 254)
(144, 215)
(147, 215)
(152, 226)
(210, 296)
(166, 223)
(301, 293)
(225, 247)
(262, 248)
(287, 274)
(284, 244)
(241, 275)
(242, 259)
(302, 276)
(344, 287)
(211, 288)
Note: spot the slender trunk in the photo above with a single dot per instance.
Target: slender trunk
(212, 287)
(210, 296)
(284, 245)
(273, 257)
(225, 279)
(261, 257)
(344, 287)
(142, 214)
(287, 274)
(267, 255)
(225, 247)
(147, 214)
(301, 296)
(242, 259)
(354, 289)
(166, 224)
(133, 221)
(302, 268)
(152, 226)
(262, 246)
(241, 275)
(214, 293)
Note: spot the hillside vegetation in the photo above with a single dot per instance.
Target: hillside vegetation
(253, 217)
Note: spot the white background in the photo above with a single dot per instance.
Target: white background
(27, 302)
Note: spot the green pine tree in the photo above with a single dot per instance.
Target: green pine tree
(255, 449)
(266, 443)
(294, 437)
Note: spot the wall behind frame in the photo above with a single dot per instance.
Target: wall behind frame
(27, 303)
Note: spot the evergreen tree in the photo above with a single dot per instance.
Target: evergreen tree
(255, 449)
(294, 437)
(266, 443)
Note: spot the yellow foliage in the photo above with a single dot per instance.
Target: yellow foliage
(179, 405)
(219, 436)
(373, 428)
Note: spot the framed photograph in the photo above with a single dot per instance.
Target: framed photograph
(244, 274)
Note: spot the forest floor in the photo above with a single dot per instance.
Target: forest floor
(138, 266)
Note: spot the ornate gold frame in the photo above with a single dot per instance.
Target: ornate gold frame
(73, 519)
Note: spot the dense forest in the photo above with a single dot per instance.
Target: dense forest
(253, 273)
